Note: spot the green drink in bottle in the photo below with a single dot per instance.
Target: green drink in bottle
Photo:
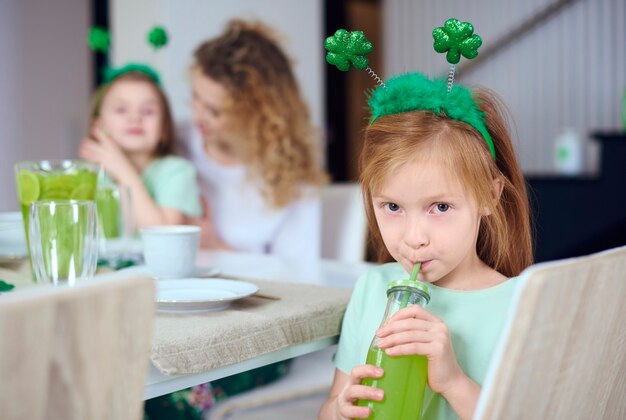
(404, 378)
(55, 181)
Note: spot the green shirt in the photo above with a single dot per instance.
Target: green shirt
(474, 318)
(171, 182)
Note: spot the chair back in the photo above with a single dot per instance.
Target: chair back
(563, 351)
(344, 225)
(76, 353)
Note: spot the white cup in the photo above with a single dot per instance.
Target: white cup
(170, 251)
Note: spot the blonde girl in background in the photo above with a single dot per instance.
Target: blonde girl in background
(443, 188)
(133, 139)
(254, 147)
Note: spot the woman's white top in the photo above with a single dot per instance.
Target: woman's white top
(241, 216)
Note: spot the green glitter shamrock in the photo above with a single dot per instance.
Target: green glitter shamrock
(157, 37)
(98, 39)
(345, 48)
(457, 38)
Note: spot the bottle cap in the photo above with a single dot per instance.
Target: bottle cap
(413, 284)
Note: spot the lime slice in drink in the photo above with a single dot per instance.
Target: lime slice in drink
(55, 194)
(83, 192)
(85, 176)
(27, 187)
(59, 182)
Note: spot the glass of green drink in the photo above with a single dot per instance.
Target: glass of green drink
(63, 240)
(109, 212)
(54, 180)
(116, 223)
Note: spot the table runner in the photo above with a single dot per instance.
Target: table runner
(187, 343)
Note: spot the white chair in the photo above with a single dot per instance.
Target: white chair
(76, 353)
(344, 225)
(563, 353)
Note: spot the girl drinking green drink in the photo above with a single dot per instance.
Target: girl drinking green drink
(443, 189)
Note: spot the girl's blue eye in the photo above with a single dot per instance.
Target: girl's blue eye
(393, 207)
(442, 207)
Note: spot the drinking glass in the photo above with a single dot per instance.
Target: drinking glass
(63, 240)
(54, 180)
(117, 227)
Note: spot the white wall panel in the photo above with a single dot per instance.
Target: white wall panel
(570, 71)
(190, 22)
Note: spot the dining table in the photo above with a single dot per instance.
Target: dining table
(298, 309)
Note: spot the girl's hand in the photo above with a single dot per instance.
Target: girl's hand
(103, 150)
(354, 391)
(414, 330)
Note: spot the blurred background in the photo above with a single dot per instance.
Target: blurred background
(559, 65)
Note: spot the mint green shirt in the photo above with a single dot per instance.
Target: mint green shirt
(171, 182)
(474, 319)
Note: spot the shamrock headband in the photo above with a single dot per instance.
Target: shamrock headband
(99, 41)
(111, 73)
(415, 91)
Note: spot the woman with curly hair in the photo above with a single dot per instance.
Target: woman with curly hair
(254, 148)
(257, 159)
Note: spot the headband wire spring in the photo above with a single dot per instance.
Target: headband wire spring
(373, 74)
(450, 78)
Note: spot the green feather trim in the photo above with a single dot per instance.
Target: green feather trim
(416, 92)
(111, 73)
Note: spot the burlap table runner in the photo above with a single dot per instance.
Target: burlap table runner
(197, 342)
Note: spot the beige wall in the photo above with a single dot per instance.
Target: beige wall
(44, 83)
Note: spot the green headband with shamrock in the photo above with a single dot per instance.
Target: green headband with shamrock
(415, 91)
(99, 41)
(111, 73)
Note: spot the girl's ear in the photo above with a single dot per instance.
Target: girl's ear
(496, 193)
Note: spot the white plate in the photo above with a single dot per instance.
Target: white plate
(197, 295)
(198, 271)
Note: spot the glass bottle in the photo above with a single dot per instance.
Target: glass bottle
(404, 377)
(569, 152)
